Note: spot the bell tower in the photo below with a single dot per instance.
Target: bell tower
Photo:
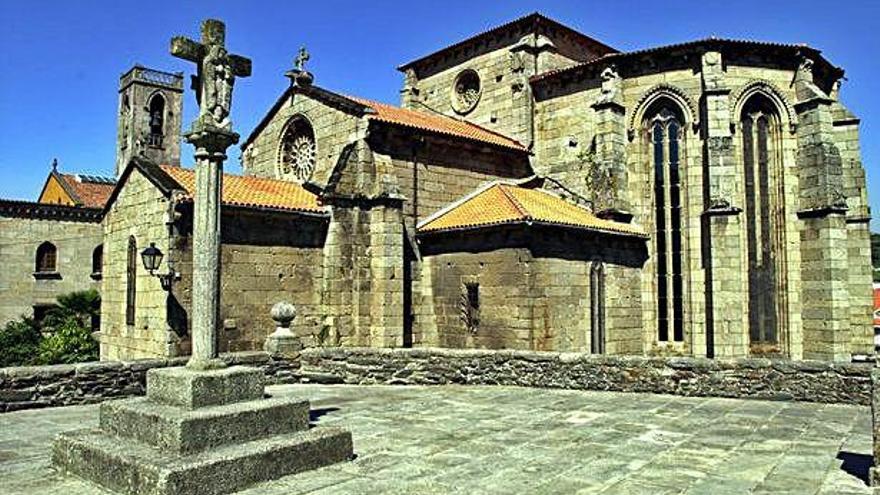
(149, 116)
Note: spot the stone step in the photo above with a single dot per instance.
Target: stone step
(190, 389)
(135, 468)
(185, 431)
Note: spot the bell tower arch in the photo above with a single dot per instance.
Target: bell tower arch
(149, 116)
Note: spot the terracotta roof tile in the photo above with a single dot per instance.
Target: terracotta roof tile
(501, 203)
(253, 192)
(441, 124)
(876, 305)
(90, 191)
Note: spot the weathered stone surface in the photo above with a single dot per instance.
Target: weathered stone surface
(61, 385)
(170, 429)
(511, 440)
(136, 469)
(812, 381)
(184, 387)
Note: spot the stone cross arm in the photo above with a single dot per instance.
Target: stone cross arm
(187, 49)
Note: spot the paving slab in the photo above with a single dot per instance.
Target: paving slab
(501, 440)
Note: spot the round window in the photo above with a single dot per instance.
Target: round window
(466, 91)
(296, 159)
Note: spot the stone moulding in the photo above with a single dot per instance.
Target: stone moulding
(688, 106)
(768, 89)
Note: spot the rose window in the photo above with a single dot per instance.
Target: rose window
(466, 91)
(297, 157)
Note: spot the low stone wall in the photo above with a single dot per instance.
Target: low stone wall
(29, 387)
(813, 381)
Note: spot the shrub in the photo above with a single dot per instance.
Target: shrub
(69, 342)
(65, 335)
(19, 343)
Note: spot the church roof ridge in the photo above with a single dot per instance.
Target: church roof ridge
(533, 17)
(435, 122)
(712, 40)
(395, 115)
(510, 203)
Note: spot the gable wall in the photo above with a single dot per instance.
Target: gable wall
(333, 130)
(140, 210)
(55, 194)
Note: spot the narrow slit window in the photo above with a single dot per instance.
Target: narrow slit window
(131, 281)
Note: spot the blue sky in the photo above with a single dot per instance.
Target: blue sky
(61, 60)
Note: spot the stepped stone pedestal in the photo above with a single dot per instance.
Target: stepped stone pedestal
(199, 432)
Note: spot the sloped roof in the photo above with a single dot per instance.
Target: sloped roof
(393, 115)
(877, 305)
(433, 122)
(528, 19)
(501, 203)
(712, 42)
(252, 192)
(88, 190)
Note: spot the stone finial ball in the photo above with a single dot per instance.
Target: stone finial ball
(283, 313)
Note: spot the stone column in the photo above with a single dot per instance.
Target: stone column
(726, 335)
(211, 144)
(826, 319)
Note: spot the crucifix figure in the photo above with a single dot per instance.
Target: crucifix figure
(211, 134)
(217, 70)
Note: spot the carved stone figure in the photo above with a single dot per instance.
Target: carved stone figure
(217, 70)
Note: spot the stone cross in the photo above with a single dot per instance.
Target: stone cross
(211, 134)
(301, 58)
(217, 70)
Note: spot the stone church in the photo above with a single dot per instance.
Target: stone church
(535, 189)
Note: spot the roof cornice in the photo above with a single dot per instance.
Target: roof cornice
(44, 211)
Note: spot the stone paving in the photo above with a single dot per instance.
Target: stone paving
(506, 440)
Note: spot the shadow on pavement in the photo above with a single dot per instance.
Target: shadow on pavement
(855, 464)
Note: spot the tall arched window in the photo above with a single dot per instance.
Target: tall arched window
(131, 281)
(665, 127)
(296, 157)
(97, 261)
(46, 258)
(759, 123)
(157, 120)
(597, 307)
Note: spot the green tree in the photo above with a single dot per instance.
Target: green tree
(19, 343)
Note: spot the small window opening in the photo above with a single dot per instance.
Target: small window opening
(470, 306)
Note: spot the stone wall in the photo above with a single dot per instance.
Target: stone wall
(333, 130)
(535, 289)
(711, 97)
(30, 387)
(265, 258)
(440, 171)
(811, 381)
(20, 289)
(140, 211)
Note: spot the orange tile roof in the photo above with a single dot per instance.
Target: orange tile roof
(441, 124)
(253, 192)
(89, 193)
(876, 305)
(501, 203)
